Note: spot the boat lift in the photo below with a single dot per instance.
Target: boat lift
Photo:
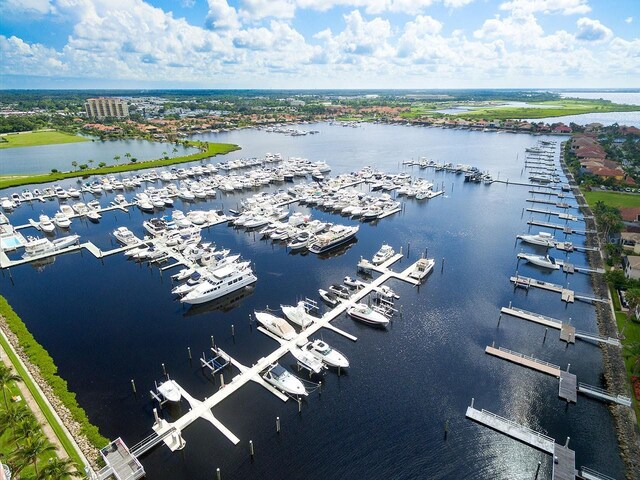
(218, 362)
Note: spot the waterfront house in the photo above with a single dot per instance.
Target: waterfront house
(630, 241)
(631, 264)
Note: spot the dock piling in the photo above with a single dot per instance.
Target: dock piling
(189, 352)
(299, 406)
(446, 428)
(442, 267)
(213, 342)
(537, 470)
(320, 387)
(278, 425)
(544, 339)
(566, 444)
(233, 332)
(218, 477)
(251, 451)
(221, 380)
(499, 318)
(155, 416)
(164, 370)
(133, 386)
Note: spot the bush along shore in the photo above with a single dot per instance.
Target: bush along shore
(44, 372)
(615, 374)
(207, 150)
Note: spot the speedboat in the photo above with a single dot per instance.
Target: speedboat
(328, 297)
(422, 269)
(340, 290)
(544, 261)
(297, 314)
(280, 378)
(276, 325)
(387, 293)
(300, 241)
(352, 282)
(366, 314)
(61, 220)
(46, 225)
(542, 238)
(94, 216)
(330, 356)
(170, 391)
(384, 254)
(308, 360)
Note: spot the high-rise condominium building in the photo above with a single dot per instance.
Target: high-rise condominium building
(106, 107)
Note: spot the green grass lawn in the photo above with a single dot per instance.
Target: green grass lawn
(631, 335)
(32, 139)
(613, 199)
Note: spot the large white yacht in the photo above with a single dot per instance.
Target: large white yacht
(124, 236)
(384, 254)
(224, 280)
(330, 356)
(46, 225)
(542, 238)
(40, 246)
(276, 325)
(544, 261)
(337, 235)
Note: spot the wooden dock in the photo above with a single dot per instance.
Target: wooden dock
(525, 360)
(526, 282)
(564, 465)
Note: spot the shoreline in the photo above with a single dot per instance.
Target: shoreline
(614, 371)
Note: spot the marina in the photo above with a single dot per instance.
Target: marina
(427, 319)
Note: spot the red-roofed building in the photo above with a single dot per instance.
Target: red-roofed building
(630, 214)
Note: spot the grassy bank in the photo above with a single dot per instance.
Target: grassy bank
(40, 357)
(206, 150)
(631, 336)
(555, 108)
(613, 199)
(32, 139)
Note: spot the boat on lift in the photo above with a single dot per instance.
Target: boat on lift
(353, 282)
(46, 225)
(170, 391)
(308, 360)
(298, 314)
(283, 380)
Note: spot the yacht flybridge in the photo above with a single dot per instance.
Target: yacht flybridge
(223, 281)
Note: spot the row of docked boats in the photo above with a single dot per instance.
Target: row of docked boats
(36, 247)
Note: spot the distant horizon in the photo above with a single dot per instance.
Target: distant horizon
(319, 44)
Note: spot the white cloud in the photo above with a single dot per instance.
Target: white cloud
(591, 30)
(27, 7)
(258, 9)
(522, 30)
(628, 19)
(566, 7)
(221, 16)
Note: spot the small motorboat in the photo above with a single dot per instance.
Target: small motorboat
(276, 325)
(382, 255)
(307, 360)
(353, 282)
(94, 216)
(543, 239)
(46, 225)
(544, 261)
(124, 236)
(61, 220)
(340, 290)
(170, 391)
(283, 380)
(330, 356)
(387, 293)
(366, 314)
(328, 297)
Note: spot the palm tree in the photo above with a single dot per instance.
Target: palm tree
(74, 164)
(128, 156)
(58, 469)
(12, 415)
(26, 428)
(633, 350)
(6, 377)
(116, 158)
(175, 150)
(36, 446)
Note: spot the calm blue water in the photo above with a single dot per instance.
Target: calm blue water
(106, 322)
(43, 158)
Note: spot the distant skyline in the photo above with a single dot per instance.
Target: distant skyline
(319, 44)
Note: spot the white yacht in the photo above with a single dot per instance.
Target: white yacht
(423, 268)
(337, 235)
(384, 254)
(298, 314)
(330, 356)
(124, 236)
(366, 314)
(40, 246)
(94, 216)
(280, 378)
(61, 220)
(170, 391)
(46, 225)
(276, 325)
(542, 238)
(224, 280)
(544, 261)
(328, 297)
(308, 360)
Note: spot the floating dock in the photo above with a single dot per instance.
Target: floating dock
(555, 226)
(564, 463)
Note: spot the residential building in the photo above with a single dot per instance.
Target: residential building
(106, 107)
(631, 266)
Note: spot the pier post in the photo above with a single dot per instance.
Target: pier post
(155, 416)
(442, 267)
(218, 477)
(510, 300)
(446, 428)
(278, 425)
(338, 370)
(133, 386)
(499, 318)
(472, 401)
(566, 443)
(545, 334)
(221, 380)
(251, 452)
(299, 406)
(164, 370)
(233, 332)
(189, 352)
(408, 248)
(568, 367)
(320, 388)
(538, 470)
(213, 342)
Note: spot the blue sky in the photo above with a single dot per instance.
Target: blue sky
(319, 43)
